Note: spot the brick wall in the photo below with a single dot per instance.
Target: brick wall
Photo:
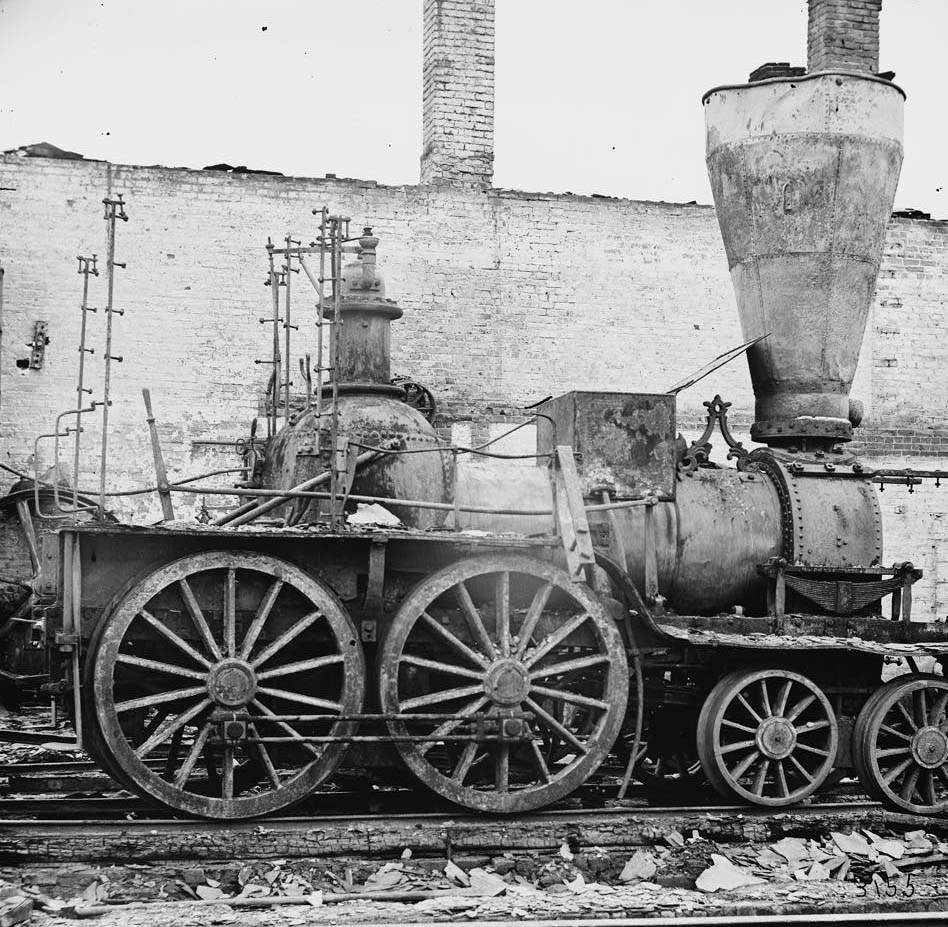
(458, 88)
(843, 34)
(508, 297)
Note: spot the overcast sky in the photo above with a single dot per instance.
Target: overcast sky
(594, 97)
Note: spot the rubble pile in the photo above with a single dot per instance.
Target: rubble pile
(678, 875)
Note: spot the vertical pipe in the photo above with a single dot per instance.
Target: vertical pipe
(111, 213)
(84, 269)
(274, 286)
(320, 321)
(335, 334)
(286, 329)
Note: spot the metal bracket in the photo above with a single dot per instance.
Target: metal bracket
(38, 345)
(376, 583)
(697, 455)
(571, 515)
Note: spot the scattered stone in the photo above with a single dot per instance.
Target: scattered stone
(724, 876)
(640, 866)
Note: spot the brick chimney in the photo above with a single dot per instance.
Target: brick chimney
(458, 114)
(844, 34)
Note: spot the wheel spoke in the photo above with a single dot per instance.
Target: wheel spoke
(502, 767)
(474, 621)
(543, 769)
(442, 730)
(502, 616)
(782, 780)
(574, 698)
(749, 708)
(743, 745)
(147, 701)
(198, 619)
(811, 726)
(893, 751)
(181, 644)
(260, 618)
(809, 749)
(894, 732)
(163, 733)
(908, 784)
(440, 667)
(800, 707)
(921, 707)
(227, 771)
(288, 696)
(937, 713)
(463, 766)
(531, 619)
(896, 771)
(436, 698)
(286, 728)
(800, 768)
(942, 774)
(744, 765)
(927, 787)
(264, 754)
(761, 778)
(738, 727)
(286, 638)
(159, 667)
(781, 705)
(765, 699)
(301, 666)
(194, 754)
(905, 714)
(555, 639)
(230, 617)
(453, 640)
(172, 758)
(569, 666)
(552, 724)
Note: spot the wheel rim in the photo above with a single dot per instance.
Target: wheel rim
(767, 736)
(497, 639)
(902, 744)
(192, 665)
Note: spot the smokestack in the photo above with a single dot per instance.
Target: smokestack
(843, 35)
(803, 172)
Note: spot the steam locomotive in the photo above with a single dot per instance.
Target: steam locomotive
(636, 600)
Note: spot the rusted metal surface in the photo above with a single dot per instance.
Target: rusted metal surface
(625, 441)
(265, 635)
(803, 173)
(807, 632)
(767, 736)
(500, 665)
(901, 744)
(708, 542)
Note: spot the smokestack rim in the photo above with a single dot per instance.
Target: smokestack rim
(813, 75)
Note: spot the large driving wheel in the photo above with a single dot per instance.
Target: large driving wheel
(900, 744)
(767, 736)
(516, 677)
(221, 680)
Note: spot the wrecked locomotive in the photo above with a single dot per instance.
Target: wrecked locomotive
(694, 620)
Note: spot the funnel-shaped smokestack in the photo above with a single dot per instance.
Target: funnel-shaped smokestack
(804, 172)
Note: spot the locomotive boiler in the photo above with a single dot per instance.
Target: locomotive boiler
(632, 602)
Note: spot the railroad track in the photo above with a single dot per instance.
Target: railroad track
(438, 835)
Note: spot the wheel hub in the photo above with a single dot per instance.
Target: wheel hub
(507, 682)
(930, 747)
(232, 683)
(776, 738)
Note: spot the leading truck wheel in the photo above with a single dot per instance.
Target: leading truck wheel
(901, 744)
(506, 680)
(220, 682)
(767, 736)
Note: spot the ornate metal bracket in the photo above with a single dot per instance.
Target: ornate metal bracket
(698, 454)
